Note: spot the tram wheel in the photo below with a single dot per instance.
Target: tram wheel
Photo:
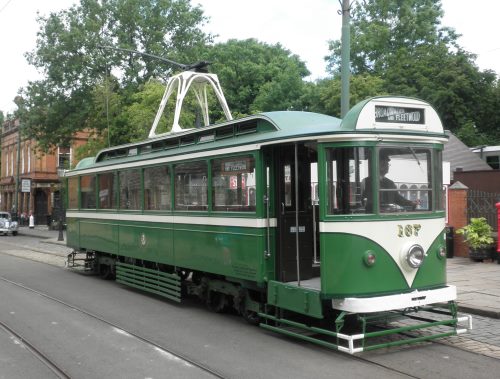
(216, 301)
(105, 272)
(251, 317)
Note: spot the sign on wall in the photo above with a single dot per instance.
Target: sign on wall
(26, 185)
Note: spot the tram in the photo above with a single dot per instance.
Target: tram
(327, 230)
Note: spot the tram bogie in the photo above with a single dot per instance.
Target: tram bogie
(295, 220)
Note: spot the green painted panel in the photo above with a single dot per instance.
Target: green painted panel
(148, 241)
(298, 299)
(72, 234)
(344, 273)
(230, 251)
(98, 235)
(433, 270)
(237, 252)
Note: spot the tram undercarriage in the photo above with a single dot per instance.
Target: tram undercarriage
(302, 314)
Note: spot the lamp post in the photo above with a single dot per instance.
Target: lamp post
(16, 194)
(60, 237)
(345, 66)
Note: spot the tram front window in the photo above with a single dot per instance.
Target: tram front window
(404, 180)
(401, 181)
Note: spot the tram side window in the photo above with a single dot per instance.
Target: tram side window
(191, 186)
(346, 169)
(233, 184)
(157, 188)
(87, 192)
(130, 189)
(73, 192)
(107, 191)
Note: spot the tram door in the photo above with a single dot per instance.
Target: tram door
(294, 212)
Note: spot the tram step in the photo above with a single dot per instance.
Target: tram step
(153, 281)
(80, 261)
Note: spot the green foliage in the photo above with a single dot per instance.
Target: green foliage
(477, 234)
(362, 86)
(403, 43)
(257, 77)
(75, 68)
(469, 135)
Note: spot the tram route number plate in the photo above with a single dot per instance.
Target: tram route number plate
(293, 229)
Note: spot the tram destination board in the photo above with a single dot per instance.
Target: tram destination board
(400, 115)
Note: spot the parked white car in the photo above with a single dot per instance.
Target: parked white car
(7, 225)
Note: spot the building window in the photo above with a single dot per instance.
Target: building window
(12, 162)
(22, 161)
(493, 161)
(7, 164)
(64, 158)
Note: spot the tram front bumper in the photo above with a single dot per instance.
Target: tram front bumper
(393, 302)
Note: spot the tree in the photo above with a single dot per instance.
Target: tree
(257, 77)
(381, 29)
(362, 86)
(68, 53)
(403, 43)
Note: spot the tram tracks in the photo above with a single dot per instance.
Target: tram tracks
(60, 372)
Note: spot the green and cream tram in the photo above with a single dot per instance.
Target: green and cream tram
(299, 221)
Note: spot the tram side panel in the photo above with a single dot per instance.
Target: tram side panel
(92, 234)
(223, 250)
(232, 251)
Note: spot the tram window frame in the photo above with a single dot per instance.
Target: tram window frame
(188, 195)
(108, 194)
(73, 192)
(130, 189)
(229, 183)
(340, 171)
(418, 156)
(154, 198)
(440, 190)
(88, 198)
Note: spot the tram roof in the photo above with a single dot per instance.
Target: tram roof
(375, 115)
(263, 127)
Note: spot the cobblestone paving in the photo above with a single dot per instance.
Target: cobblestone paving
(484, 338)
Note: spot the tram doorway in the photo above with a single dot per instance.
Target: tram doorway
(294, 212)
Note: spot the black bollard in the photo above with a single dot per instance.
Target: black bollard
(61, 236)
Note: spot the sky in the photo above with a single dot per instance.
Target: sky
(304, 28)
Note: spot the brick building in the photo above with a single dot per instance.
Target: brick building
(37, 173)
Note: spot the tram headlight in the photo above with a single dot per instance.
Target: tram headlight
(415, 256)
(441, 252)
(369, 258)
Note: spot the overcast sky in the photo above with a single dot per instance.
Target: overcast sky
(302, 27)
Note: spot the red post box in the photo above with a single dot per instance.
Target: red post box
(498, 228)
